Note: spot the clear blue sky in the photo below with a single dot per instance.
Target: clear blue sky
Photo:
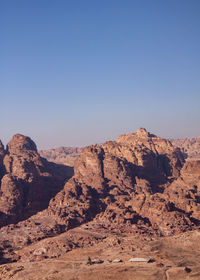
(76, 72)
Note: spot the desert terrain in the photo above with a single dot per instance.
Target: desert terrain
(127, 209)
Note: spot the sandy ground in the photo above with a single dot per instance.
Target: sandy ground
(173, 258)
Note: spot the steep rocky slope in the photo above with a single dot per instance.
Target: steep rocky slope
(28, 181)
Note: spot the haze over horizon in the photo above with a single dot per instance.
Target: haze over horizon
(74, 73)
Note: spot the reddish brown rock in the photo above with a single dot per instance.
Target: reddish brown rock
(21, 144)
(129, 185)
(137, 185)
(29, 181)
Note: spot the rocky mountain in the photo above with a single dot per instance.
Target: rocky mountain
(138, 183)
(189, 146)
(28, 181)
(123, 196)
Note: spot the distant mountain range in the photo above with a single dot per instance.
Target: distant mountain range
(62, 155)
(67, 155)
(189, 146)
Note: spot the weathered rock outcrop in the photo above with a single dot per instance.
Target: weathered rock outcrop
(137, 183)
(28, 181)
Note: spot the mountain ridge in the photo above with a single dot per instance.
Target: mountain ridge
(136, 190)
(67, 155)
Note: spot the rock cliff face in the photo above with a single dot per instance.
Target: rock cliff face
(137, 184)
(27, 180)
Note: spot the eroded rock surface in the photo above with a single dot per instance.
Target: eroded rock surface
(28, 181)
(138, 183)
(137, 186)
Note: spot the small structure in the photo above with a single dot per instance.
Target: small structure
(147, 260)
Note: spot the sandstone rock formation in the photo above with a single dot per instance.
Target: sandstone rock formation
(138, 187)
(190, 148)
(136, 184)
(27, 180)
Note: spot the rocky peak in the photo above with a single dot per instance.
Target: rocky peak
(142, 132)
(20, 143)
(27, 181)
(140, 135)
(118, 182)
